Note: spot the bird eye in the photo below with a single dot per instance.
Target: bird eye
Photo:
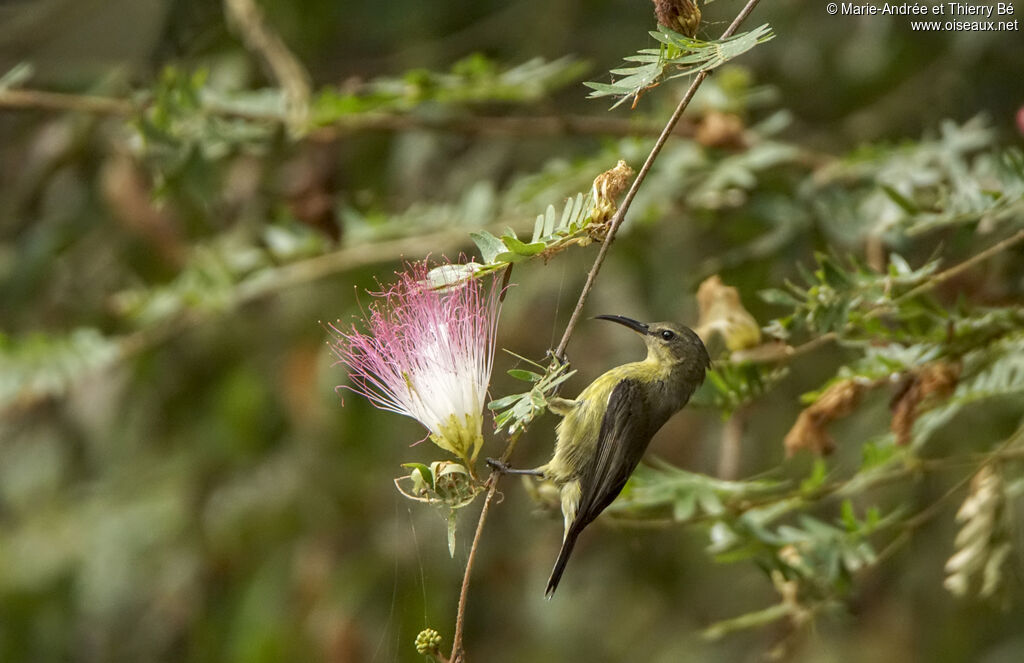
(667, 335)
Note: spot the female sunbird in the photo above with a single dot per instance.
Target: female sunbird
(605, 431)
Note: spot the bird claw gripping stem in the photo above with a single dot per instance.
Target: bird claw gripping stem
(557, 364)
(502, 467)
(561, 360)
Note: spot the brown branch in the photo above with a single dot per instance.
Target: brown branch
(770, 354)
(27, 100)
(59, 101)
(641, 176)
(246, 17)
(957, 269)
(471, 125)
(731, 450)
(497, 126)
(947, 274)
(458, 652)
(357, 255)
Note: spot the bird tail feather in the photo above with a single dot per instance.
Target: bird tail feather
(563, 558)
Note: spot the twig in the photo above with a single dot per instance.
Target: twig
(771, 353)
(59, 101)
(458, 653)
(732, 448)
(287, 69)
(640, 177)
(357, 255)
(947, 274)
(955, 270)
(498, 126)
(472, 125)
(768, 354)
(1004, 452)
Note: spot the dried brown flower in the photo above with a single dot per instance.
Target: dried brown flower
(607, 188)
(679, 15)
(837, 402)
(718, 129)
(928, 386)
(722, 312)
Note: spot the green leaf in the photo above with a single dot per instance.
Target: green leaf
(603, 89)
(849, 517)
(549, 220)
(817, 477)
(538, 228)
(503, 402)
(709, 503)
(779, 297)
(680, 56)
(520, 248)
(525, 376)
(489, 245)
(425, 473)
(876, 453)
(905, 203)
(684, 507)
(446, 276)
(474, 79)
(17, 76)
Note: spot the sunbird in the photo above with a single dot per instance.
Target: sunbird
(606, 429)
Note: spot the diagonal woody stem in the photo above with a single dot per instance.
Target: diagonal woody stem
(641, 176)
(458, 651)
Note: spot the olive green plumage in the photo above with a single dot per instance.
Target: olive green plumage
(606, 429)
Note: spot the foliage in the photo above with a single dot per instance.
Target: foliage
(514, 413)
(731, 385)
(677, 56)
(473, 80)
(41, 366)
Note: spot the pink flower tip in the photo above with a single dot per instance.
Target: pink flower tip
(427, 354)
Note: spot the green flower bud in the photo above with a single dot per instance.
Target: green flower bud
(428, 642)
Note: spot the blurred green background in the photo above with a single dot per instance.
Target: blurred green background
(179, 480)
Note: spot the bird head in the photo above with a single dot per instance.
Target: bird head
(668, 343)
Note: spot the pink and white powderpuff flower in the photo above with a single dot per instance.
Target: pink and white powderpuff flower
(427, 354)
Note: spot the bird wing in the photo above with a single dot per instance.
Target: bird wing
(627, 428)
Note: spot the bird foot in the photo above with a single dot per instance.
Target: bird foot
(561, 360)
(498, 466)
(502, 467)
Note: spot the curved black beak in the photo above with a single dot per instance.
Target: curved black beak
(638, 327)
